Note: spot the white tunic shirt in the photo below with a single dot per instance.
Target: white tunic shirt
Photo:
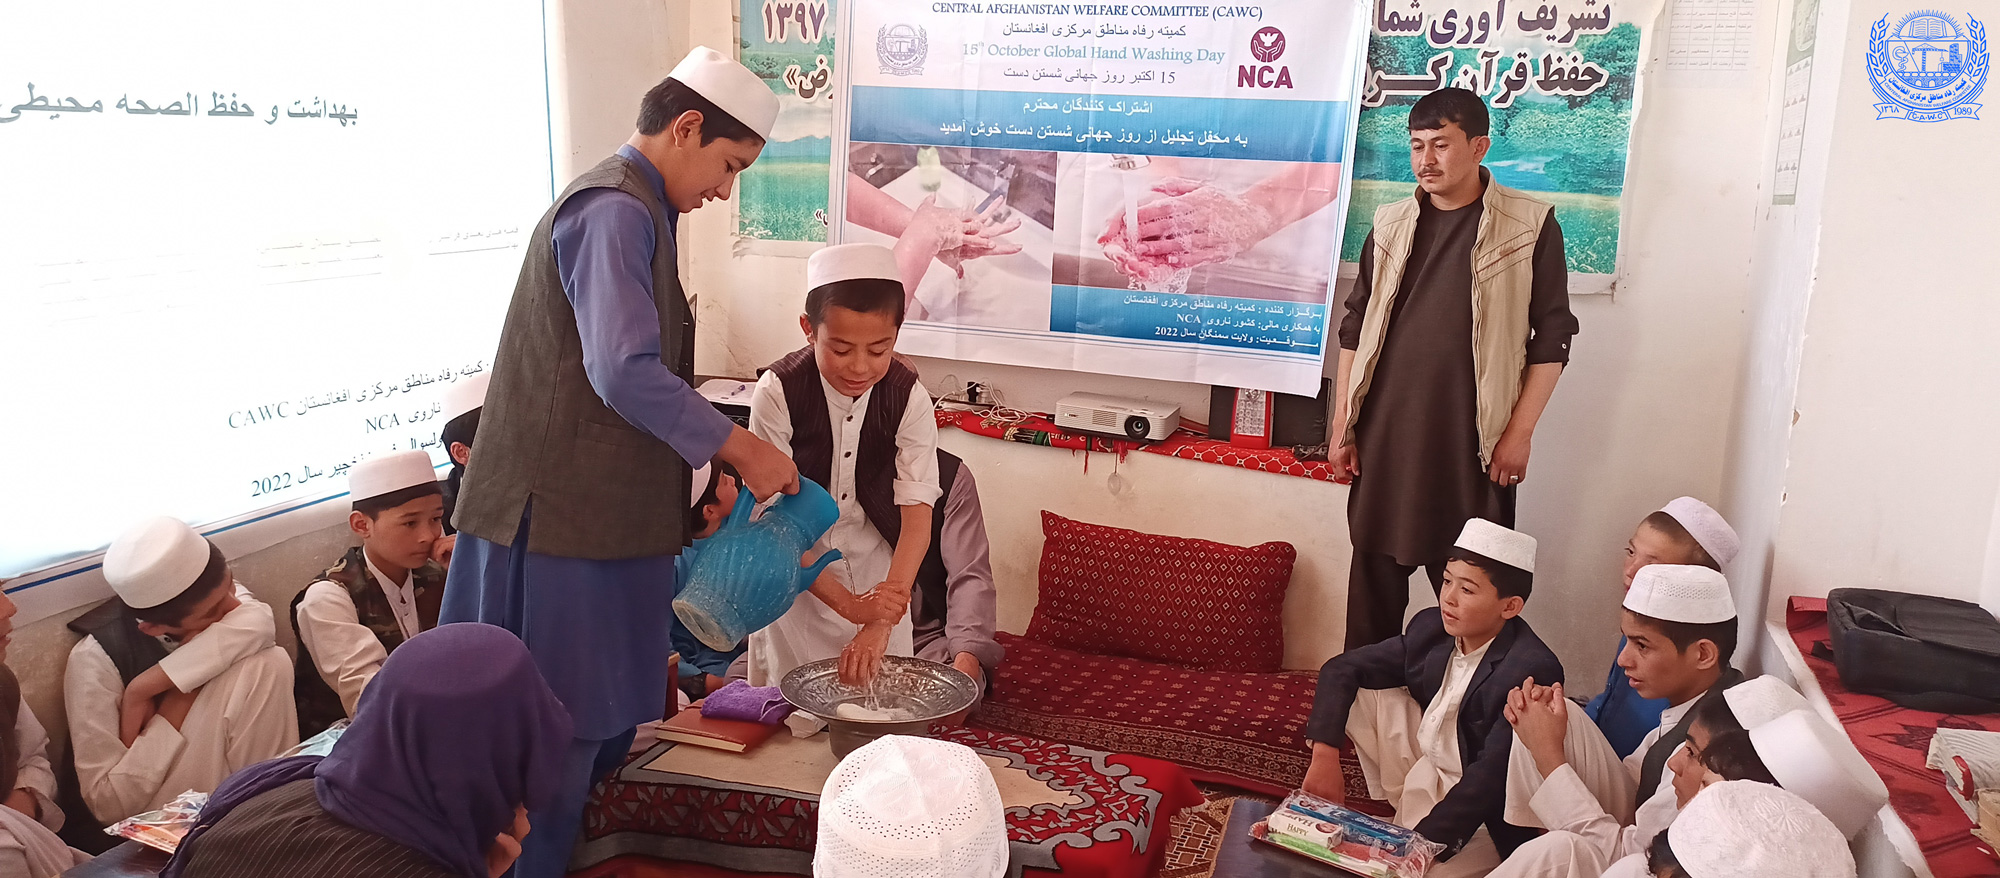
(32, 771)
(346, 652)
(243, 714)
(811, 630)
(1437, 735)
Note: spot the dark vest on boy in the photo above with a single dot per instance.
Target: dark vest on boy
(874, 460)
(601, 488)
(319, 705)
(933, 580)
(132, 651)
(1654, 765)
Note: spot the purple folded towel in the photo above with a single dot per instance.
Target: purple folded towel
(741, 701)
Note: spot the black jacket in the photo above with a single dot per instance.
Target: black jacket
(1418, 660)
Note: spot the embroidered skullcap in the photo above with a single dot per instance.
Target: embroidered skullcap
(731, 87)
(154, 561)
(1759, 700)
(908, 807)
(698, 485)
(1505, 545)
(1681, 593)
(389, 473)
(1739, 828)
(1815, 760)
(850, 262)
(1707, 526)
(466, 395)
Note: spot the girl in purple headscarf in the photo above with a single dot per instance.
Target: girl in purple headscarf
(454, 741)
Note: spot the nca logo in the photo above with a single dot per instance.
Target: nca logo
(1266, 45)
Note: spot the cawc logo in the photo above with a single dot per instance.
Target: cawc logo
(1266, 45)
(1928, 69)
(902, 49)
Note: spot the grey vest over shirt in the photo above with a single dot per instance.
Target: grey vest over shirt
(601, 488)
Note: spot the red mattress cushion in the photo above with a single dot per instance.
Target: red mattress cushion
(1183, 601)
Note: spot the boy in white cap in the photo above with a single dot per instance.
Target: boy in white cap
(1424, 710)
(856, 420)
(380, 593)
(1679, 623)
(1685, 531)
(912, 808)
(1743, 828)
(462, 404)
(178, 617)
(574, 500)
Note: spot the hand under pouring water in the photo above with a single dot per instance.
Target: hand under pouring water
(1183, 224)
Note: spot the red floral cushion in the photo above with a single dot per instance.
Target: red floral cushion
(1190, 602)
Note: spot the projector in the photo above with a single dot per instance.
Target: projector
(1135, 419)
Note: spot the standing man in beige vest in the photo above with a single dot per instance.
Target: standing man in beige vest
(1455, 333)
(574, 502)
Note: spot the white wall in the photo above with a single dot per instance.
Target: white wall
(1860, 452)
(1642, 416)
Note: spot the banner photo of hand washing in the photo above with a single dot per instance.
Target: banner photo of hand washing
(789, 44)
(1146, 190)
(1561, 80)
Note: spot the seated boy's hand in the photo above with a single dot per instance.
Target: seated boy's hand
(132, 717)
(1541, 722)
(886, 602)
(441, 550)
(1323, 776)
(861, 659)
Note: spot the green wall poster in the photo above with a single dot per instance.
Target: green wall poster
(1561, 80)
(789, 43)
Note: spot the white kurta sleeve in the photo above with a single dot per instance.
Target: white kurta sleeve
(916, 452)
(346, 653)
(116, 782)
(770, 418)
(245, 631)
(1565, 803)
(259, 716)
(33, 772)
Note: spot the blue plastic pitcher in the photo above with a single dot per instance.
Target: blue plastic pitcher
(747, 574)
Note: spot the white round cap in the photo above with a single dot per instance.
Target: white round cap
(154, 561)
(1681, 593)
(698, 485)
(907, 807)
(467, 394)
(387, 473)
(850, 262)
(1507, 546)
(731, 87)
(1707, 526)
(1739, 828)
(1759, 700)
(1817, 761)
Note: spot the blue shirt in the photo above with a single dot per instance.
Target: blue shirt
(1624, 717)
(605, 240)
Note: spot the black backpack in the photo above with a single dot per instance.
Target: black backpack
(1919, 651)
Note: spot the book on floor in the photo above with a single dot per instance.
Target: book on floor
(736, 736)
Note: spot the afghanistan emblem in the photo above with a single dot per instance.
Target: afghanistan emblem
(902, 49)
(1927, 69)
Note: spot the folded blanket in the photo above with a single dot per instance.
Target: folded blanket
(1970, 760)
(741, 701)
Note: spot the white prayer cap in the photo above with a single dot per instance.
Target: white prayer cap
(1738, 828)
(699, 484)
(154, 561)
(1759, 700)
(1681, 593)
(850, 262)
(907, 807)
(388, 473)
(1815, 760)
(731, 87)
(1707, 526)
(466, 395)
(1510, 547)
